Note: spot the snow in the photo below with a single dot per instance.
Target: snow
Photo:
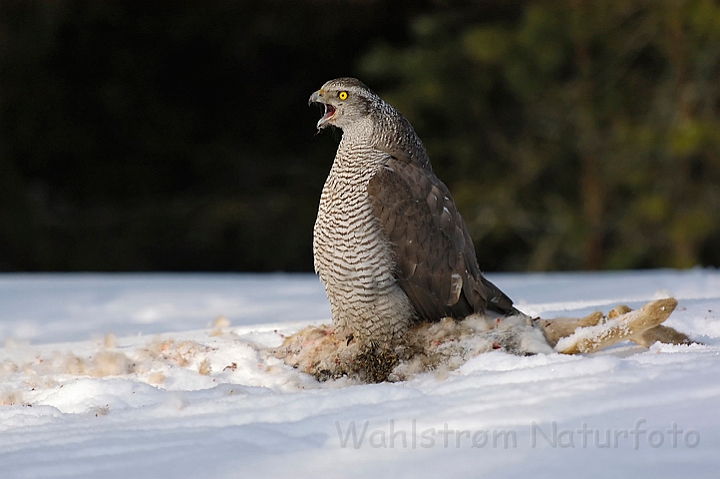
(170, 376)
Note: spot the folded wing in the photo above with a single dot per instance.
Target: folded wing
(436, 264)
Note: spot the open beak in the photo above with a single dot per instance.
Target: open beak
(329, 109)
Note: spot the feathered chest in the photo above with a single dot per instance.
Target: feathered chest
(348, 240)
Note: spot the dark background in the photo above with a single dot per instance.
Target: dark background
(175, 136)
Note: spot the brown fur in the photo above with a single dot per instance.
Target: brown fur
(620, 324)
(555, 329)
(662, 334)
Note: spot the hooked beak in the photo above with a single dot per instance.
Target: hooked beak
(329, 109)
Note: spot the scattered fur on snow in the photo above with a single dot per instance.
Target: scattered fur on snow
(145, 363)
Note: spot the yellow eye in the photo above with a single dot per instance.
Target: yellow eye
(342, 95)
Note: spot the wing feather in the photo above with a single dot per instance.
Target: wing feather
(436, 264)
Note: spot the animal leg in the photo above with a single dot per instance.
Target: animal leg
(594, 332)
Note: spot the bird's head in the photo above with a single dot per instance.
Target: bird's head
(346, 100)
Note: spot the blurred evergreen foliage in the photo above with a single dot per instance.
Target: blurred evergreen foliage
(574, 134)
(167, 135)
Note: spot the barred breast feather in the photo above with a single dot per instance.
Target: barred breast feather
(352, 255)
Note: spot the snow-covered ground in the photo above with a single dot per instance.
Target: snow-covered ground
(135, 376)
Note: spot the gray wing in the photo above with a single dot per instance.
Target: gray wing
(436, 263)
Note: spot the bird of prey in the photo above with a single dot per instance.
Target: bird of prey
(394, 254)
(389, 244)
